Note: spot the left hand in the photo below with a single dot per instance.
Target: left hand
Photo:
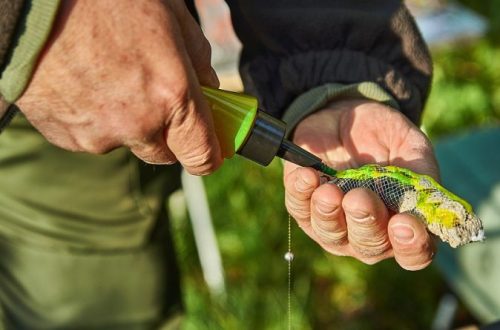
(348, 134)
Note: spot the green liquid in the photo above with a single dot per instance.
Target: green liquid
(234, 115)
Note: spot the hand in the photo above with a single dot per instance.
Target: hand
(126, 73)
(348, 134)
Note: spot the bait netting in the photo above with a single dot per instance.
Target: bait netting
(390, 190)
(398, 190)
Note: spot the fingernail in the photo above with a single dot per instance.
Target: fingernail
(325, 208)
(403, 233)
(301, 185)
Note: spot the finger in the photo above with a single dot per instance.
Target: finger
(299, 186)
(327, 216)
(366, 219)
(288, 168)
(197, 46)
(189, 132)
(412, 244)
(155, 152)
(190, 136)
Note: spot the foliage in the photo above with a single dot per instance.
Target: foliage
(466, 86)
(465, 92)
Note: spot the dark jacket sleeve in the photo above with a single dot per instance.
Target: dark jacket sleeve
(10, 12)
(292, 46)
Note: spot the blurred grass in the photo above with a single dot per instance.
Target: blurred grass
(465, 92)
(329, 292)
(251, 225)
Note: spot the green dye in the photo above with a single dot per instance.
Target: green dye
(426, 205)
(233, 115)
(327, 170)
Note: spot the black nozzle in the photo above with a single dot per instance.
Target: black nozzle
(295, 154)
(264, 140)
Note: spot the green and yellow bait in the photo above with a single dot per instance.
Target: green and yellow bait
(445, 214)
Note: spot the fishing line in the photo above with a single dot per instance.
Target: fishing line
(289, 258)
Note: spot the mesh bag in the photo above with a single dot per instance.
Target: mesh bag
(401, 190)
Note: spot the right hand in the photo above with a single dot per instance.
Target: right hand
(126, 73)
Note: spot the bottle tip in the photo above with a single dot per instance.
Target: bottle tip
(327, 170)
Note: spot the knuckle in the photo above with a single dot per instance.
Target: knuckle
(201, 163)
(324, 213)
(300, 210)
(367, 236)
(327, 225)
(95, 146)
(301, 195)
(188, 131)
(176, 103)
(331, 236)
(174, 99)
(178, 100)
(153, 154)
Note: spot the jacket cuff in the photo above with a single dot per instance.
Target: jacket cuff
(278, 81)
(318, 97)
(36, 27)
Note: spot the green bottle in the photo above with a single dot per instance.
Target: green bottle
(234, 115)
(243, 129)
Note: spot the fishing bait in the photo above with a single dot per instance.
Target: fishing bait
(446, 215)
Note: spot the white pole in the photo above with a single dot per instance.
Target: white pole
(204, 235)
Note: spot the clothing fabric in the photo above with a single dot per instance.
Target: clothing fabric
(25, 36)
(85, 239)
(292, 46)
(320, 96)
(34, 30)
(10, 12)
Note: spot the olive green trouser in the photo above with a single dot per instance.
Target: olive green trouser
(84, 239)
